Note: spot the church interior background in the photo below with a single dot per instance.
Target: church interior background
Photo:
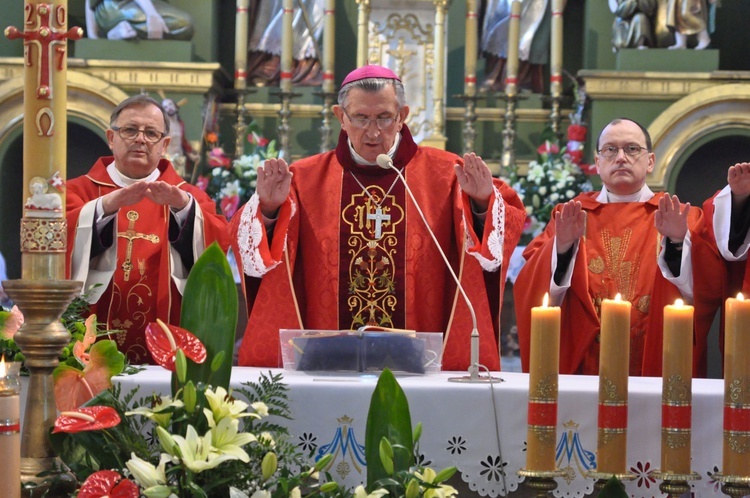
(695, 103)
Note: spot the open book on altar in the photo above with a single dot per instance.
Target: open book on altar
(369, 349)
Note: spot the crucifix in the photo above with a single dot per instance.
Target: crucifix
(130, 235)
(379, 218)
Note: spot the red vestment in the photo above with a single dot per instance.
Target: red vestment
(326, 269)
(617, 255)
(142, 287)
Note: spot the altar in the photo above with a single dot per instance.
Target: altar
(481, 428)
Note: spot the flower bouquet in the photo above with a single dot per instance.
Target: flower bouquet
(229, 182)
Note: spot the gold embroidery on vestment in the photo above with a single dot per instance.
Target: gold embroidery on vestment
(613, 267)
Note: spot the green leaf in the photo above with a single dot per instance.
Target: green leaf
(209, 310)
(613, 489)
(388, 418)
(444, 475)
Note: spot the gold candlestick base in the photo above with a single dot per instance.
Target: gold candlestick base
(734, 485)
(41, 339)
(285, 130)
(541, 481)
(673, 484)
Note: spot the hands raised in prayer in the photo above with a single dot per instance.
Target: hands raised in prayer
(475, 178)
(738, 178)
(159, 192)
(570, 225)
(670, 221)
(273, 184)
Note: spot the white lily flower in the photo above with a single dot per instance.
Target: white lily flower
(156, 412)
(295, 493)
(145, 473)
(267, 439)
(227, 440)
(261, 493)
(260, 408)
(444, 491)
(359, 492)
(222, 405)
(196, 451)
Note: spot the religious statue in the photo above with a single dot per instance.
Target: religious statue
(144, 19)
(533, 50)
(263, 62)
(41, 199)
(691, 17)
(634, 24)
(179, 151)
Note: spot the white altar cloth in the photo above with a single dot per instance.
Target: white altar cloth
(330, 412)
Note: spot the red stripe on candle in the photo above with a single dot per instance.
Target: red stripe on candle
(471, 15)
(240, 74)
(511, 80)
(736, 419)
(470, 79)
(556, 13)
(327, 76)
(288, 11)
(329, 12)
(613, 417)
(286, 75)
(241, 10)
(10, 428)
(556, 78)
(543, 414)
(676, 417)
(515, 16)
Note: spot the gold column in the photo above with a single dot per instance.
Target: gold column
(438, 139)
(240, 74)
(42, 294)
(363, 32)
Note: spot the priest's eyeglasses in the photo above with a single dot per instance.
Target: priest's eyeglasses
(130, 133)
(630, 150)
(360, 122)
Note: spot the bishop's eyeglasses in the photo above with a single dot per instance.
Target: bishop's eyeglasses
(361, 122)
(129, 133)
(630, 150)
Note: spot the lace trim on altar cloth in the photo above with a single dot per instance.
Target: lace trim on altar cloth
(249, 237)
(496, 239)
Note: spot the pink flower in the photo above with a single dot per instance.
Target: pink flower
(218, 158)
(229, 205)
(13, 323)
(254, 138)
(547, 148)
(202, 182)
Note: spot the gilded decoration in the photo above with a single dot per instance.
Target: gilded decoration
(546, 389)
(737, 393)
(544, 434)
(608, 390)
(40, 235)
(738, 442)
(677, 391)
(676, 439)
(372, 220)
(130, 235)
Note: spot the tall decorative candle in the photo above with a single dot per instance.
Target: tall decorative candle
(329, 48)
(511, 64)
(736, 387)
(470, 49)
(287, 46)
(240, 45)
(676, 397)
(543, 376)
(556, 48)
(614, 361)
(10, 430)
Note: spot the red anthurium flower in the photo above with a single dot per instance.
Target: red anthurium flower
(202, 182)
(229, 205)
(576, 156)
(577, 132)
(548, 147)
(87, 418)
(262, 141)
(108, 483)
(589, 169)
(163, 341)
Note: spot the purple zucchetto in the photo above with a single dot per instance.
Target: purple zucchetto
(370, 71)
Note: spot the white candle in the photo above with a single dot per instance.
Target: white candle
(10, 430)
(287, 46)
(240, 45)
(329, 39)
(470, 51)
(555, 65)
(511, 65)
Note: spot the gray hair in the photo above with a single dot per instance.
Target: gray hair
(140, 100)
(372, 85)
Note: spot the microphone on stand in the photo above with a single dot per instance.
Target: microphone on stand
(385, 162)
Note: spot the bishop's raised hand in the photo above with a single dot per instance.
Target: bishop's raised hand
(273, 184)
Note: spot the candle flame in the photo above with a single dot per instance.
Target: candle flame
(545, 301)
(678, 302)
(618, 297)
(740, 297)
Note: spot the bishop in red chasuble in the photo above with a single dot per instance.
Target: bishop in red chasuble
(348, 248)
(135, 227)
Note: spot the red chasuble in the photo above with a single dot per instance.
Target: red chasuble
(617, 255)
(142, 288)
(349, 249)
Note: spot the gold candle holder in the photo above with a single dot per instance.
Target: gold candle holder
(603, 477)
(541, 481)
(41, 339)
(733, 485)
(675, 485)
